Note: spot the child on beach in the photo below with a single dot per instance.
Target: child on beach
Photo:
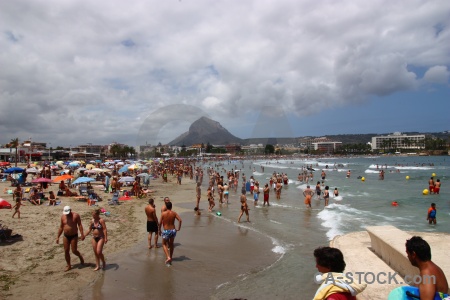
(431, 217)
(52, 199)
(17, 207)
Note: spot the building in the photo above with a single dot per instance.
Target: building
(397, 140)
(233, 148)
(323, 145)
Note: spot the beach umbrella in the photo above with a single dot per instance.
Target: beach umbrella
(126, 179)
(74, 164)
(124, 169)
(41, 179)
(82, 180)
(81, 169)
(64, 171)
(90, 166)
(14, 170)
(32, 170)
(143, 175)
(62, 178)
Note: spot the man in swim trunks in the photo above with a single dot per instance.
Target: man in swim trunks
(437, 186)
(431, 185)
(152, 223)
(167, 230)
(308, 193)
(70, 224)
(419, 254)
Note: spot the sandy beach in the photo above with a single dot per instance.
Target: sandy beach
(33, 265)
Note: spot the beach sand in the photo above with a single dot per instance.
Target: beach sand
(33, 266)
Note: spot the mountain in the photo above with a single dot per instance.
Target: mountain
(205, 130)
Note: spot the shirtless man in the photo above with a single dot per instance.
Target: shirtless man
(164, 208)
(437, 186)
(152, 223)
(70, 224)
(308, 193)
(225, 193)
(167, 230)
(433, 278)
(266, 195)
(431, 185)
(220, 192)
(210, 199)
(278, 188)
(198, 190)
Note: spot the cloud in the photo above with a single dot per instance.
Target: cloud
(82, 71)
(437, 74)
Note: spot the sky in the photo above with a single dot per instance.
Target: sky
(135, 72)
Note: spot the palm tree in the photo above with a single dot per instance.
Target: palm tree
(15, 144)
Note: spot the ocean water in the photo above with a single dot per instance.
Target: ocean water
(272, 256)
(296, 231)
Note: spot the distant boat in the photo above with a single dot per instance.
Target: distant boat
(424, 154)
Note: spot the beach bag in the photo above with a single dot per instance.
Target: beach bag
(60, 193)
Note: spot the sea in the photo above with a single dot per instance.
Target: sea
(294, 231)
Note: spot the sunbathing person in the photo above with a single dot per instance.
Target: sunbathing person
(52, 199)
(35, 197)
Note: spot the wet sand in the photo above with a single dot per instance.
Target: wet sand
(209, 252)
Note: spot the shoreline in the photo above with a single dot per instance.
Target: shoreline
(197, 270)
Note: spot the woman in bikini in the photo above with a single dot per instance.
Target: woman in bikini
(99, 238)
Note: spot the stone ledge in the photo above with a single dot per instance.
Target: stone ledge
(360, 257)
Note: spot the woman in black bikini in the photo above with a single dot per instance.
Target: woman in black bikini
(99, 238)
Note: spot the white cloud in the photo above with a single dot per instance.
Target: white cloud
(437, 74)
(90, 71)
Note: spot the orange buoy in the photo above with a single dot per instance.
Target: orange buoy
(394, 203)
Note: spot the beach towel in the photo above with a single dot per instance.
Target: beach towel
(57, 203)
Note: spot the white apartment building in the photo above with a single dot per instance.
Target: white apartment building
(397, 140)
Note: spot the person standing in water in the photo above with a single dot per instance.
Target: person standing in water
(431, 216)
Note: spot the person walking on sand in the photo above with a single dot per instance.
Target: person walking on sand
(70, 224)
(431, 216)
(167, 230)
(17, 207)
(198, 191)
(152, 223)
(244, 208)
(99, 238)
(210, 199)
